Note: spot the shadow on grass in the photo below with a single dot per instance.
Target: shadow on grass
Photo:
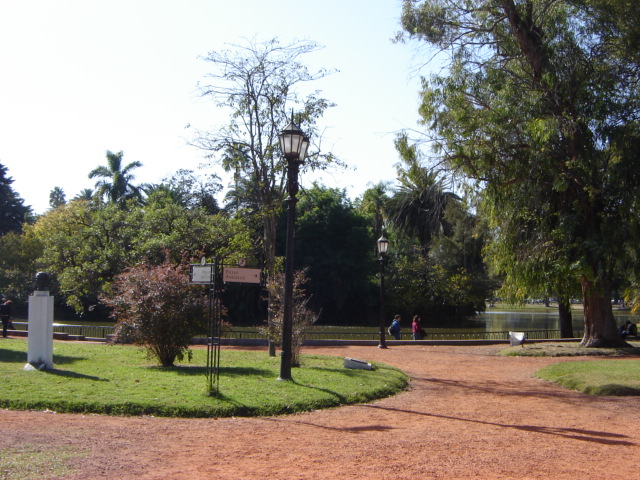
(337, 396)
(347, 372)
(230, 372)
(80, 376)
(15, 356)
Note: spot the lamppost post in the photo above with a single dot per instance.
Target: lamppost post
(383, 245)
(293, 144)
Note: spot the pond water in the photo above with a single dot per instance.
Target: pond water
(504, 321)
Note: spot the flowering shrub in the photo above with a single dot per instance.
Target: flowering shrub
(157, 307)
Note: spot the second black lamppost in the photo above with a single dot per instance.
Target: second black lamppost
(383, 245)
(293, 144)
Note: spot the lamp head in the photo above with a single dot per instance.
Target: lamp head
(293, 142)
(383, 245)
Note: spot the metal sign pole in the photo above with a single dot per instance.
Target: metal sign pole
(214, 333)
(214, 275)
(217, 324)
(210, 336)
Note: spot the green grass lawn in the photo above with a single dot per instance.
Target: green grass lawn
(596, 377)
(612, 374)
(122, 380)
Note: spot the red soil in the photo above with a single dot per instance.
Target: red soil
(468, 415)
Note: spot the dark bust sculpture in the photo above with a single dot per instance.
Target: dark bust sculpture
(42, 280)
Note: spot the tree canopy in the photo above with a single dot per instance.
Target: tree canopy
(13, 211)
(335, 243)
(535, 108)
(258, 83)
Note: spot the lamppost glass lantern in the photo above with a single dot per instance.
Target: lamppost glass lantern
(383, 245)
(294, 143)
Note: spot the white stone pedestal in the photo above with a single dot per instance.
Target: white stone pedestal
(40, 341)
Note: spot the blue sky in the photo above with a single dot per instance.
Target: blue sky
(80, 77)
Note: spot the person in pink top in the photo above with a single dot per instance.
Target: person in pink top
(416, 328)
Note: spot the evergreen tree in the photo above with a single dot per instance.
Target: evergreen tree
(13, 212)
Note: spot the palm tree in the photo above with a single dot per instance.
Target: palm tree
(417, 208)
(373, 203)
(85, 194)
(162, 190)
(57, 197)
(115, 181)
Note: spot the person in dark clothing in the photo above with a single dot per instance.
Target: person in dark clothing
(628, 329)
(5, 316)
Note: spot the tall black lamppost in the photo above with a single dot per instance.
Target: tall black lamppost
(383, 245)
(293, 144)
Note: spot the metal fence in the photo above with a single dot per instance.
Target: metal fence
(84, 331)
(100, 332)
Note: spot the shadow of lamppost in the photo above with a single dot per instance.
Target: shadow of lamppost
(293, 144)
(383, 245)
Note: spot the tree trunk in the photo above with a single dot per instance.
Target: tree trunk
(599, 324)
(565, 317)
(270, 224)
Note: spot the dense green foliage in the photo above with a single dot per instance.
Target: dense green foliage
(335, 244)
(434, 266)
(539, 107)
(119, 380)
(86, 244)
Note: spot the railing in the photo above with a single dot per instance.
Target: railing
(94, 331)
(86, 331)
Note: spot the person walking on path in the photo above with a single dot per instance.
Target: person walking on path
(5, 316)
(416, 328)
(394, 329)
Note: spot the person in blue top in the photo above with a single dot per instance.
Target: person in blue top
(394, 329)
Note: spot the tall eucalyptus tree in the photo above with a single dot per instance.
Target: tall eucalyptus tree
(540, 106)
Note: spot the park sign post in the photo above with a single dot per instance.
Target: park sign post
(241, 275)
(204, 273)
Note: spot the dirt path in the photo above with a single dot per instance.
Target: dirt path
(468, 415)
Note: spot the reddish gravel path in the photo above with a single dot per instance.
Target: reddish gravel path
(468, 415)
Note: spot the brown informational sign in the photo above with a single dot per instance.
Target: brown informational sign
(241, 275)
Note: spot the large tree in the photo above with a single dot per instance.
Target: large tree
(13, 211)
(539, 107)
(335, 244)
(84, 245)
(258, 85)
